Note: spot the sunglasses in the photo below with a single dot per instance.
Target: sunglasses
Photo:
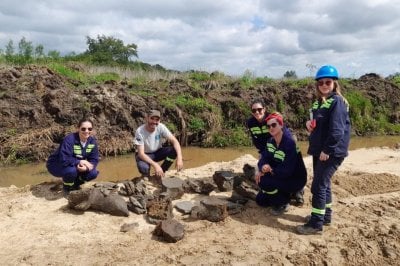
(327, 82)
(256, 110)
(86, 128)
(272, 125)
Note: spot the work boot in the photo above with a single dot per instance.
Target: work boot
(66, 190)
(78, 182)
(308, 218)
(278, 210)
(167, 164)
(307, 229)
(298, 197)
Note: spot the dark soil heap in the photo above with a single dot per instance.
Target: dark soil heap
(38, 107)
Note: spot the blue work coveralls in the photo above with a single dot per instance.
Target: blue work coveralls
(64, 160)
(332, 136)
(288, 175)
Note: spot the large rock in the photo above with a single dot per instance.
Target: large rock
(170, 230)
(173, 186)
(159, 209)
(224, 180)
(211, 209)
(95, 199)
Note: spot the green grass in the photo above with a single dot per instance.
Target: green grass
(100, 78)
(68, 72)
(196, 124)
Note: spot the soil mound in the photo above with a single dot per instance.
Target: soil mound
(38, 107)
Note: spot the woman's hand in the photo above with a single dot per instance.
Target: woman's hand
(309, 126)
(323, 156)
(85, 166)
(266, 168)
(257, 177)
(81, 168)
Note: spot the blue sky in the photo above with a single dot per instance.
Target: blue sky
(266, 37)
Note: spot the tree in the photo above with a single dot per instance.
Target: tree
(290, 74)
(39, 51)
(9, 51)
(105, 50)
(53, 54)
(311, 68)
(25, 51)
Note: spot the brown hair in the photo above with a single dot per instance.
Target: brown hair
(84, 119)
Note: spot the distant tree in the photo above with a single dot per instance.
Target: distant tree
(39, 51)
(25, 50)
(53, 54)
(9, 51)
(290, 74)
(105, 50)
(311, 68)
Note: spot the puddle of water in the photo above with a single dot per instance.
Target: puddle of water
(124, 167)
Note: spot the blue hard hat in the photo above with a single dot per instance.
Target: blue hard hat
(327, 71)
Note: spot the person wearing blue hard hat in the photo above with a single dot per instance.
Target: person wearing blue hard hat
(329, 129)
(327, 71)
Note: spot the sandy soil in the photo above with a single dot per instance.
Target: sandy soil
(39, 229)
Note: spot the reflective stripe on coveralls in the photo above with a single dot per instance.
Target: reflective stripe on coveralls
(270, 192)
(259, 130)
(327, 104)
(169, 159)
(69, 184)
(318, 211)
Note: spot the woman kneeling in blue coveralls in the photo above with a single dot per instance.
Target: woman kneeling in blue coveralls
(76, 159)
(281, 168)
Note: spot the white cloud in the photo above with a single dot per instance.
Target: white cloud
(267, 37)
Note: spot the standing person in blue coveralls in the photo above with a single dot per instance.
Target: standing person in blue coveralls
(76, 159)
(281, 166)
(260, 134)
(149, 139)
(329, 128)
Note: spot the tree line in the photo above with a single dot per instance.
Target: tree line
(103, 50)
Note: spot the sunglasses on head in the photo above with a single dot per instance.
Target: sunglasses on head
(327, 82)
(272, 125)
(256, 110)
(86, 128)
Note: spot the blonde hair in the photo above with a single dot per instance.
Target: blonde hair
(336, 88)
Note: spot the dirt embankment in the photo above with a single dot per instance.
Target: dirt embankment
(38, 107)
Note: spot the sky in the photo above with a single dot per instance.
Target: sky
(263, 37)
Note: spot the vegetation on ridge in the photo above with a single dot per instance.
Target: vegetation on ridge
(206, 109)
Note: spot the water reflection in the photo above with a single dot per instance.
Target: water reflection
(124, 167)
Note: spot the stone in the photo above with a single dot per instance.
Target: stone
(234, 208)
(95, 199)
(128, 227)
(211, 209)
(173, 186)
(224, 180)
(247, 190)
(159, 209)
(184, 207)
(170, 231)
(137, 204)
(199, 186)
(249, 172)
(134, 187)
